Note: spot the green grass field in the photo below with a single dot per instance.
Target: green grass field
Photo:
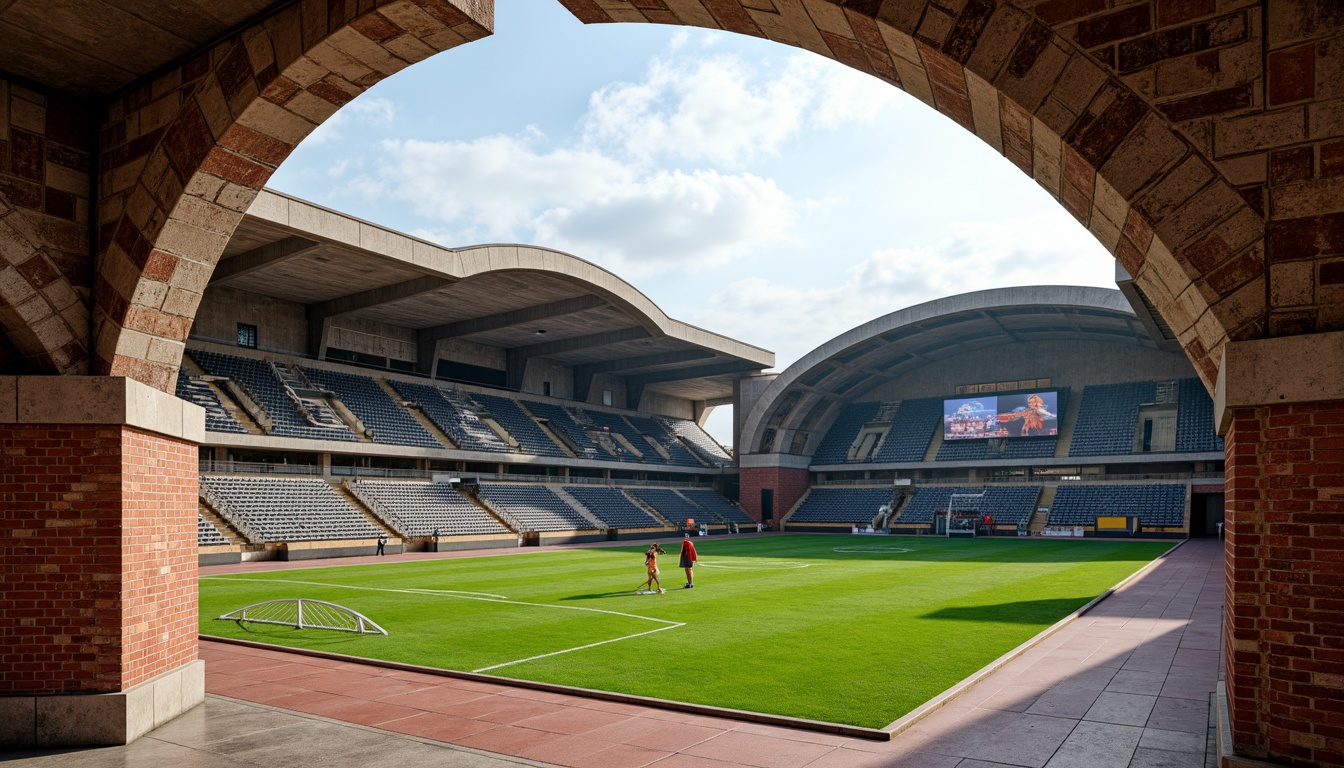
(855, 630)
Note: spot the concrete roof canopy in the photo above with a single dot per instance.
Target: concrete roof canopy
(532, 302)
(862, 358)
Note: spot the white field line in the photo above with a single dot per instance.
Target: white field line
(487, 598)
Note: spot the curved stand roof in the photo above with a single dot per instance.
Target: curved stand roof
(891, 346)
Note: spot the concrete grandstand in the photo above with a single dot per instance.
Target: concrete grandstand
(557, 391)
(850, 434)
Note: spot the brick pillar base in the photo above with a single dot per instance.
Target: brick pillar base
(98, 580)
(788, 483)
(1280, 405)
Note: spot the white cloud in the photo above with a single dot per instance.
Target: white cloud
(672, 219)
(364, 111)
(501, 188)
(792, 320)
(724, 110)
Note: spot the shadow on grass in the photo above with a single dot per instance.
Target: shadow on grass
(272, 633)
(603, 595)
(1006, 549)
(1020, 612)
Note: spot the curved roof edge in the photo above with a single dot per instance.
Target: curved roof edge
(470, 261)
(993, 298)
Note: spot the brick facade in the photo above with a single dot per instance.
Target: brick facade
(98, 581)
(788, 483)
(1285, 582)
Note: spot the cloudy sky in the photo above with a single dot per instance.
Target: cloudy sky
(755, 190)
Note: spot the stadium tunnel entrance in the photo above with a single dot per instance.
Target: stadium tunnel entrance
(1202, 143)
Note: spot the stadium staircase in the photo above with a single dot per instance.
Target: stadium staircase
(370, 508)
(416, 413)
(222, 525)
(783, 520)
(655, 514)
(320, 408)
(937, 442)
(1068, 422)
(579, 508)
(1038, 518)
(376, 517)
(217, 385)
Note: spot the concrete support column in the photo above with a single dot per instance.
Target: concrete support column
(1280, 406)
(98, 600)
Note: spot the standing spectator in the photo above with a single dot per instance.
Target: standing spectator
(989, 524)
(436, 539)
(382, 543)
(651, 568)
(688, 558)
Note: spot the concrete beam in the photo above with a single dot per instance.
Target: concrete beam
(584, 373)
(634, 385)
(576, 343)
(512, 318)
(258, 259)
(354, 302)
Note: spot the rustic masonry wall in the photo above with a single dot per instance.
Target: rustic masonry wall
(45, 270)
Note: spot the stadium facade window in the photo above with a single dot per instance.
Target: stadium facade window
(546, 388)
(247, 335)
(606, 397)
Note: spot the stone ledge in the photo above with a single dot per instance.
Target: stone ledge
(1282, 371)
(100, 719)
(99, 400)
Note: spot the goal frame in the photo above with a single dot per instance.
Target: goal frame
(961, 518)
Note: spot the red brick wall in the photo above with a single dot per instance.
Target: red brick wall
(1285, 582)
(98, 583)
(788, 483)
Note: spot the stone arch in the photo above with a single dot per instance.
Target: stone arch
(1191, 240)
(1024, 83)
(42, 313)
(185, 155)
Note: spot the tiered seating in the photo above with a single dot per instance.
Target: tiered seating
(391, 424)
(716, 505)
(261, 383)
(666, 437)
(674, 506)
(842, 505)
(1194, 419)
(612, 507)
(1010, 504)
(534, 507)
(1108, 416)
(419, 509)
(834, 447)
(562, 422)
(217, 417)
(531, 438)
(461, 424)
(207, 535)
(928, 500)
(915, 424)
(286, 510)
(704, 445)
(1156, 504)
(618, 426)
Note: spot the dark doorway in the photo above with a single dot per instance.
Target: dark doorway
(1206, 512)
(767, 504)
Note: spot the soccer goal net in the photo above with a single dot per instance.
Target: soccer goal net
(303, 613)
(963, 513)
